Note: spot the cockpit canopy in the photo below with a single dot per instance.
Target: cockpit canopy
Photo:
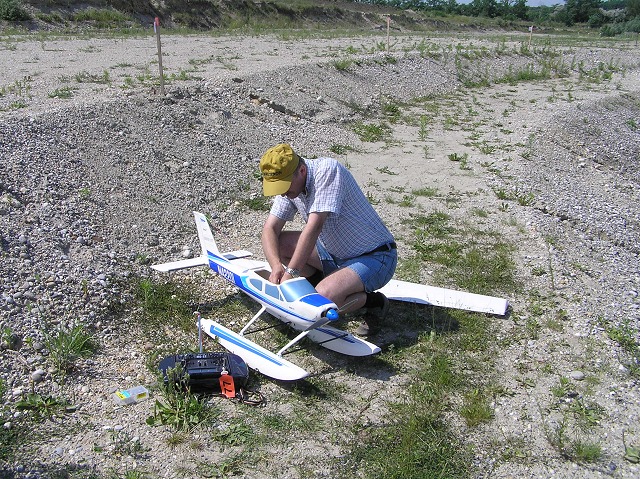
(290, 291)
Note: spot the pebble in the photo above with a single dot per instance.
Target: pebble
(577, 375)
(38, 375)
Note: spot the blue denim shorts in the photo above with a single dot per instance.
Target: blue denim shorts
(375, 269)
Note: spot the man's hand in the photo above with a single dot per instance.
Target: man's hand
(277, 276)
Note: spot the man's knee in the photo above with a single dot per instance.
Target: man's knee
(337, 286)
(325, 288)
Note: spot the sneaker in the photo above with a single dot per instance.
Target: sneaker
(373, 319)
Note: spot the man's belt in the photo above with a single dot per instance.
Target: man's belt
(384, 247)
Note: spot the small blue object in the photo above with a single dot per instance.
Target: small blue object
(332, 314)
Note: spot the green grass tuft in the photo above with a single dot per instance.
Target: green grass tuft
(66, 346)
(371, 132)
(163, 302)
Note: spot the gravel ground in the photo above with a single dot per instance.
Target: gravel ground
(95, 186)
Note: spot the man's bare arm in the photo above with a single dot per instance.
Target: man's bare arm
(270, 246)
(307, 241)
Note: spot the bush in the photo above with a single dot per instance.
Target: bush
(597, 20)
(633, 25)
(12, 11)
(611, 30)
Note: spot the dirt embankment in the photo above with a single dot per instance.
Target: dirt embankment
(207, 15)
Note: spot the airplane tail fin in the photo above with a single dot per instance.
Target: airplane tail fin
(208, 246)
(206, 236)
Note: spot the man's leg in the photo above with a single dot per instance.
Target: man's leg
(344, 287)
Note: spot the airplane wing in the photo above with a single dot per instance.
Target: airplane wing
(446, 298)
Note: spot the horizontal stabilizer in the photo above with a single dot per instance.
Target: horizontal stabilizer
(241, 253)
(256, 357)
(183, 264)
(446, 298)
(199, 261)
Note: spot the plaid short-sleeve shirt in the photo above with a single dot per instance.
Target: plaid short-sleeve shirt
(352, 227)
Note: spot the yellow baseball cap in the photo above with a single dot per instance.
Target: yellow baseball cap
(277, 166)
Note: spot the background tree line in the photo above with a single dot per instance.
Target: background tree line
(612, 17)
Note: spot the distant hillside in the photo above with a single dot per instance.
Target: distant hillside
(212, 14)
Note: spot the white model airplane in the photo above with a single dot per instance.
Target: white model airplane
(298, 304)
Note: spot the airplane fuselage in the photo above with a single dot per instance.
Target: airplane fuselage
(295, 302)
